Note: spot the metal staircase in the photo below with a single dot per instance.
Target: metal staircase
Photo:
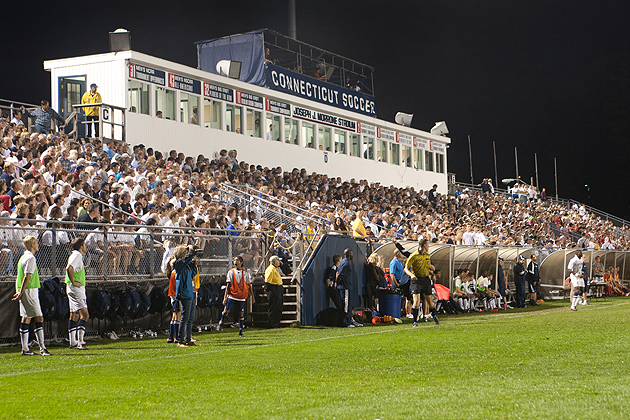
(291, 305)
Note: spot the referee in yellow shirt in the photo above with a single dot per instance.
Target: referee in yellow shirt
(273, 287)
(419, 267)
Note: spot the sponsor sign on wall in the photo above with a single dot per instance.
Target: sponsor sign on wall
(277, 107)
(147, 74)
(366, 129)
(249, 99)
(218, 92)
(404, 139)
(184, 83)
(322, 118)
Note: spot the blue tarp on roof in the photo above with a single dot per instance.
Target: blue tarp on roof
(247, 48)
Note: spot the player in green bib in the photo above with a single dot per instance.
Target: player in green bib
(75, 289)
(27, 292)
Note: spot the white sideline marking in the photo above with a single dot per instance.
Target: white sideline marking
(494, 317)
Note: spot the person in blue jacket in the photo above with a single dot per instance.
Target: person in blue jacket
(185, 287)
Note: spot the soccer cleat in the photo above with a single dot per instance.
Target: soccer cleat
(28, 353)
(573, 308)
(191, 344)
(410, 316)
(181, 345)
(415, 325)
(171, 341)
(81, 347)
(44, 352)
(436, 320)
(240, 334)
(350, 326)
(495, 310)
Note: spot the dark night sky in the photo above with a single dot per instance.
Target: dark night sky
(548, 77)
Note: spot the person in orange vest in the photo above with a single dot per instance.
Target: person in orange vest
(237, 290)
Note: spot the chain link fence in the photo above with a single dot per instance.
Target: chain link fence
(118, 252)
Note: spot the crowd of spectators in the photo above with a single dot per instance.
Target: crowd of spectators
(51, 178)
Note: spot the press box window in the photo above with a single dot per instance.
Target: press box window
(395, 153)
(354, 145)
(290, 130)
(324, 139)
(138, 97)
(368, 148)
(212, 114)
(165, 103)
(340, 142)
(406, 156)
(418, 158)
(253, 123)
(189, 108)
(272, 128)
(381, 151)
(308, 135)
(428, 161)
(439, 163)
(234, 118)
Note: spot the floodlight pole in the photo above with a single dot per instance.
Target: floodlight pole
(470, 156)
(516, 160)
(536, 165)
(555, 169)
(292, 20)
(496, 174)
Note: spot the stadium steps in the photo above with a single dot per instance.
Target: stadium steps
(290, 305)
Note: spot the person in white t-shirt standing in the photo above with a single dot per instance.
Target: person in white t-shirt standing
(77, 299)
(577, 280)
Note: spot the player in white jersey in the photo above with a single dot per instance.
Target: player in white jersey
(75, 289)
(577, 280)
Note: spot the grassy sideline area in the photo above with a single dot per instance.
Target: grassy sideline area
(544, 362)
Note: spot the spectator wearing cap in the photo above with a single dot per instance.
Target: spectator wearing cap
(91, 113)
(274, 289)
(141, 188)
(519, 281)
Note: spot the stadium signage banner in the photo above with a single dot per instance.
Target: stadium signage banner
(366, 130)
(248, 99)
(404, 139)
(147, 74)
(183, 83)
(436, 147)
(326, 119)
(420, 143)
(385, 134)
(218, 92)
(306, 87)
(277, 107)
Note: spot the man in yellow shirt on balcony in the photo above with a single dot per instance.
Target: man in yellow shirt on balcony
(358, 228)
(91, 113)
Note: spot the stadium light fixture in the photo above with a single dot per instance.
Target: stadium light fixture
(119, 40)
(439, 129)
(229, 68)
(403, 119)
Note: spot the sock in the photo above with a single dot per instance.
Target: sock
(81, 331)
(222, 317)
(171, 330)
(433, 312)
(24, 336)
(240, 324)
(576, 299)
(72, 329)
(176, 330)
(39, 332)
(485, 304)
(414, 309)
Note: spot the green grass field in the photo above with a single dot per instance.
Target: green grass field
(541, 363)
